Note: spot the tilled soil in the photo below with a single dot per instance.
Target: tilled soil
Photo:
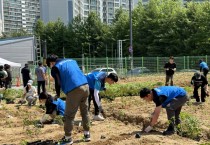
(126, 116)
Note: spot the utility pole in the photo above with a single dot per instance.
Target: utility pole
(131, 34)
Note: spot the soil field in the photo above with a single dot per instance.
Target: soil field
(126, 116)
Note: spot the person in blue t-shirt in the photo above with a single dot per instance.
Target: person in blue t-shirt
(96, 82)
(68, 77)
(53, 107)
(204, 67)
(170, 97)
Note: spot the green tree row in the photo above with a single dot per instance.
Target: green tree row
(160, 28)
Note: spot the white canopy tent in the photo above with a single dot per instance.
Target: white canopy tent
(12, 64)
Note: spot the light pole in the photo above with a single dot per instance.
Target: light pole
(131, 35)
(120, 55)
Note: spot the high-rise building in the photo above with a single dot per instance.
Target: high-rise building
(51, 10)
(18, 14)
(66, 10)
(111, 6)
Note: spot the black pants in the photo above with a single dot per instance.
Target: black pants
(8, 84)
(173, 110)
(25, 81)
(91, 97)
(169, 77)
(1, 84)
(205, 72)
(39, 84)
(203, 93)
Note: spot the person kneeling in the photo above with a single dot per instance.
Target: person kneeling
(53, 107)
(30, 94)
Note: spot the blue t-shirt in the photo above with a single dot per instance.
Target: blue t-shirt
(164, 95)
(70, 74)
(96, 80)
(60, 106)
(203, 65)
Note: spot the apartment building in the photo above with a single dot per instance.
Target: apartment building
(18, 14)
(51, 10)
(66, 10)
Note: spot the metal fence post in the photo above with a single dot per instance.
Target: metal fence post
(157, 64)
(184, 62)
(206, 59)
(125, 65)
(107, 62)
(142, 61)
(87, 64)
(188, 62)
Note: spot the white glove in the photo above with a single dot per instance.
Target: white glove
(148, 129)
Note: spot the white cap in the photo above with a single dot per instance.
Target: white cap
(30, 82)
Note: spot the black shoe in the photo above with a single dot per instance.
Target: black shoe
(87, 137)
(168, 132)
(65, 141)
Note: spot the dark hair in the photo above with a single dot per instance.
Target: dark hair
(51, 58)
(1, 67)
(171, 57)
(144, 92)
(6, 66)
(200, 60)
(113, 76)
(197, 75)
(43, 95)
(39, 63)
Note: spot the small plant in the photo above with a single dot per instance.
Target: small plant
(59, 120)
(11, 94)
(29, 126)
(189, 127)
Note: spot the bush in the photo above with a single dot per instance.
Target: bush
(189, 127)
(11, 94)
(129, 89)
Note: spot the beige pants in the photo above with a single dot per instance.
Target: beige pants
(75, 99)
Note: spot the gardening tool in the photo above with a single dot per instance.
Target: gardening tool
(138, 135)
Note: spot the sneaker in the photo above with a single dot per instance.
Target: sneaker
(98, 118)
(87, 137)
(65, 141)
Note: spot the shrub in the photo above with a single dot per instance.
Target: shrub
(11, 94)
(189, 127)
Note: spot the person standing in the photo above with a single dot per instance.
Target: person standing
(96, 82)
(40, 73)
(198, 80)
(170, 97)
(68, 76)
(204, 67)
(170, 68)
(8, 79)
(26, 76)
(3, 76)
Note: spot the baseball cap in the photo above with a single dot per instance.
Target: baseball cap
(30, 82)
